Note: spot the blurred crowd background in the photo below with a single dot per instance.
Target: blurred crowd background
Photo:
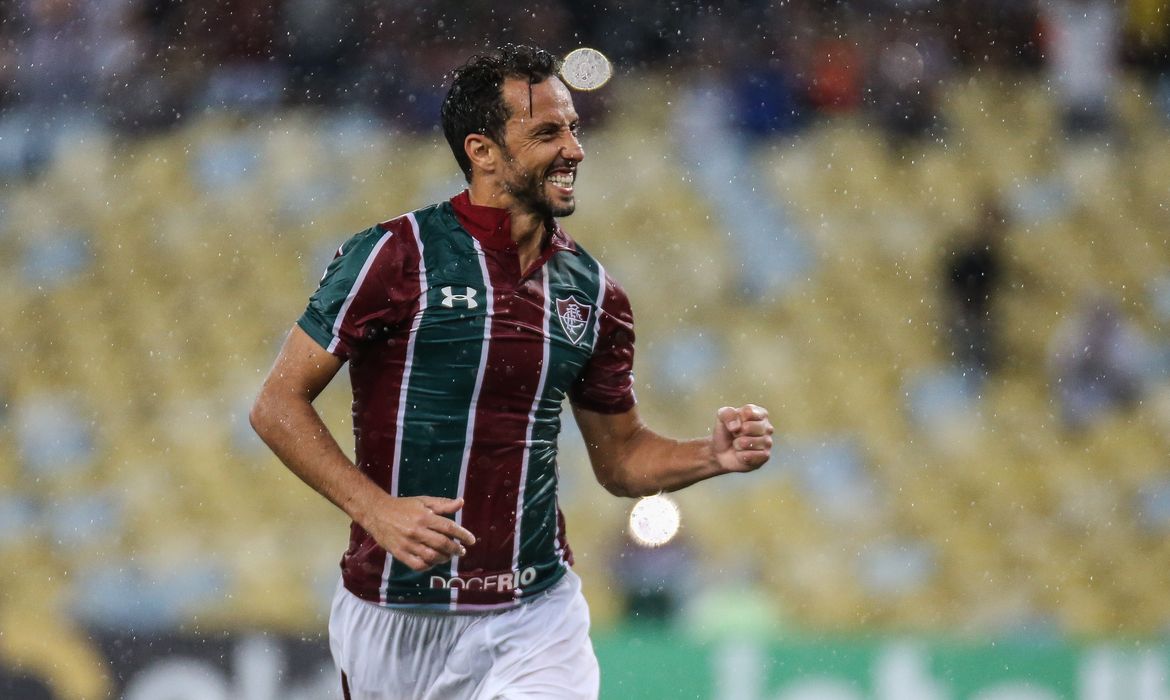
(930, 236)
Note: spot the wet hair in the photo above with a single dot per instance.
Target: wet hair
(475, 103)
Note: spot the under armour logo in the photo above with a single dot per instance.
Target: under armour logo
(468, 298)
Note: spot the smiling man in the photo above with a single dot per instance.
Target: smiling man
(465, 325)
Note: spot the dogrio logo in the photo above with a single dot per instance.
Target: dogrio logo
(495, 582)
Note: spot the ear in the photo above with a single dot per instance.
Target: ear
(482, 152)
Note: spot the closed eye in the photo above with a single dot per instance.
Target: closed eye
(551, 131)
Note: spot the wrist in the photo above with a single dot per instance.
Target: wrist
(364, 501)
(712, 456)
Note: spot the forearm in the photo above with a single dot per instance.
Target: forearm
(652, 463)
(629, 459)
(294, 431)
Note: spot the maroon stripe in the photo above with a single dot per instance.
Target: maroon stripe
(344, 686)
(376, 378)
(511, 377)
(562, 540)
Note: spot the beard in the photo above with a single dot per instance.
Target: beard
(528, 189)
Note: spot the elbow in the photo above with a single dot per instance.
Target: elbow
(616, 488)
(258, 416)
(640, 492)
(624, 486)
(611, 480)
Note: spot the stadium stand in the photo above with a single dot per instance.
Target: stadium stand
(158, 276)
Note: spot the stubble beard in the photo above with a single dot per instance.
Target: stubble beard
(528, 189)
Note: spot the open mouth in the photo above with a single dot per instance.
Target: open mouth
(562, 180)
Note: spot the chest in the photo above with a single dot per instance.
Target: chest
(476, 309)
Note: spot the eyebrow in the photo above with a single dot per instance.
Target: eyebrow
(549, 126)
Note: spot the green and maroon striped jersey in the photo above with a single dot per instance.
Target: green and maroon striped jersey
(459, 363)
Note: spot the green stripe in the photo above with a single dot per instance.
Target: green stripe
(569, 275)
(447, 354)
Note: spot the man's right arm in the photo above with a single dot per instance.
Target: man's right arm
(413, 530)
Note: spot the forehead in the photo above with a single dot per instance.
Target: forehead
(551, 101)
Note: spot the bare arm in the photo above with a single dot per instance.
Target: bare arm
(629, 459)
(413, 530)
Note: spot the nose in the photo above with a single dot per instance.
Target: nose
(572, 149)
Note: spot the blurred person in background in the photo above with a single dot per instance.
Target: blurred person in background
(994, 33)
(465, 325)
(973, 273)
(911, 64)
(323, 44)
(1083, 46)
(1099, 361)
(53, 77)
(155, 71)
(1147, 46)
(244, 76)
(653, 580)
(836, 73)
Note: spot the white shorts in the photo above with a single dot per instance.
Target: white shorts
(539, 650)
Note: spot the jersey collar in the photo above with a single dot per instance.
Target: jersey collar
(492, 226)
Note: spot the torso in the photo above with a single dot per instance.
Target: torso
(459, 394)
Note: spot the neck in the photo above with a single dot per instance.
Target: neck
(528, 228)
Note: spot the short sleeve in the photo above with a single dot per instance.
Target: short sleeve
(362, 289)
(606, 383)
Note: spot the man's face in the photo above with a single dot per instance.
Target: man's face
(540, 148)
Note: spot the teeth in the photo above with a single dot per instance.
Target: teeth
(561, 179)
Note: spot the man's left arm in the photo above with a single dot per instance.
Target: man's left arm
(629, 459)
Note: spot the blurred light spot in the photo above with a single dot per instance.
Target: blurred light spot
(654, 521)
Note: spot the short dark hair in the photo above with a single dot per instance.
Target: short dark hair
(475, 102)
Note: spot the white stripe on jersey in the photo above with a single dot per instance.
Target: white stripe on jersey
(357, 285)
(600, 301)
(422, 305)
(531, 425)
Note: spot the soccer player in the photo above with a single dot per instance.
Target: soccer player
(465, 325)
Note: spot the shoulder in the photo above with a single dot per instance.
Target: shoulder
(422, 220)
(411, 224)
(577, 260)
(385, 247)
(612, 296)
(408, 230)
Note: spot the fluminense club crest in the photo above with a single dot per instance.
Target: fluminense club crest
(574, 317)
